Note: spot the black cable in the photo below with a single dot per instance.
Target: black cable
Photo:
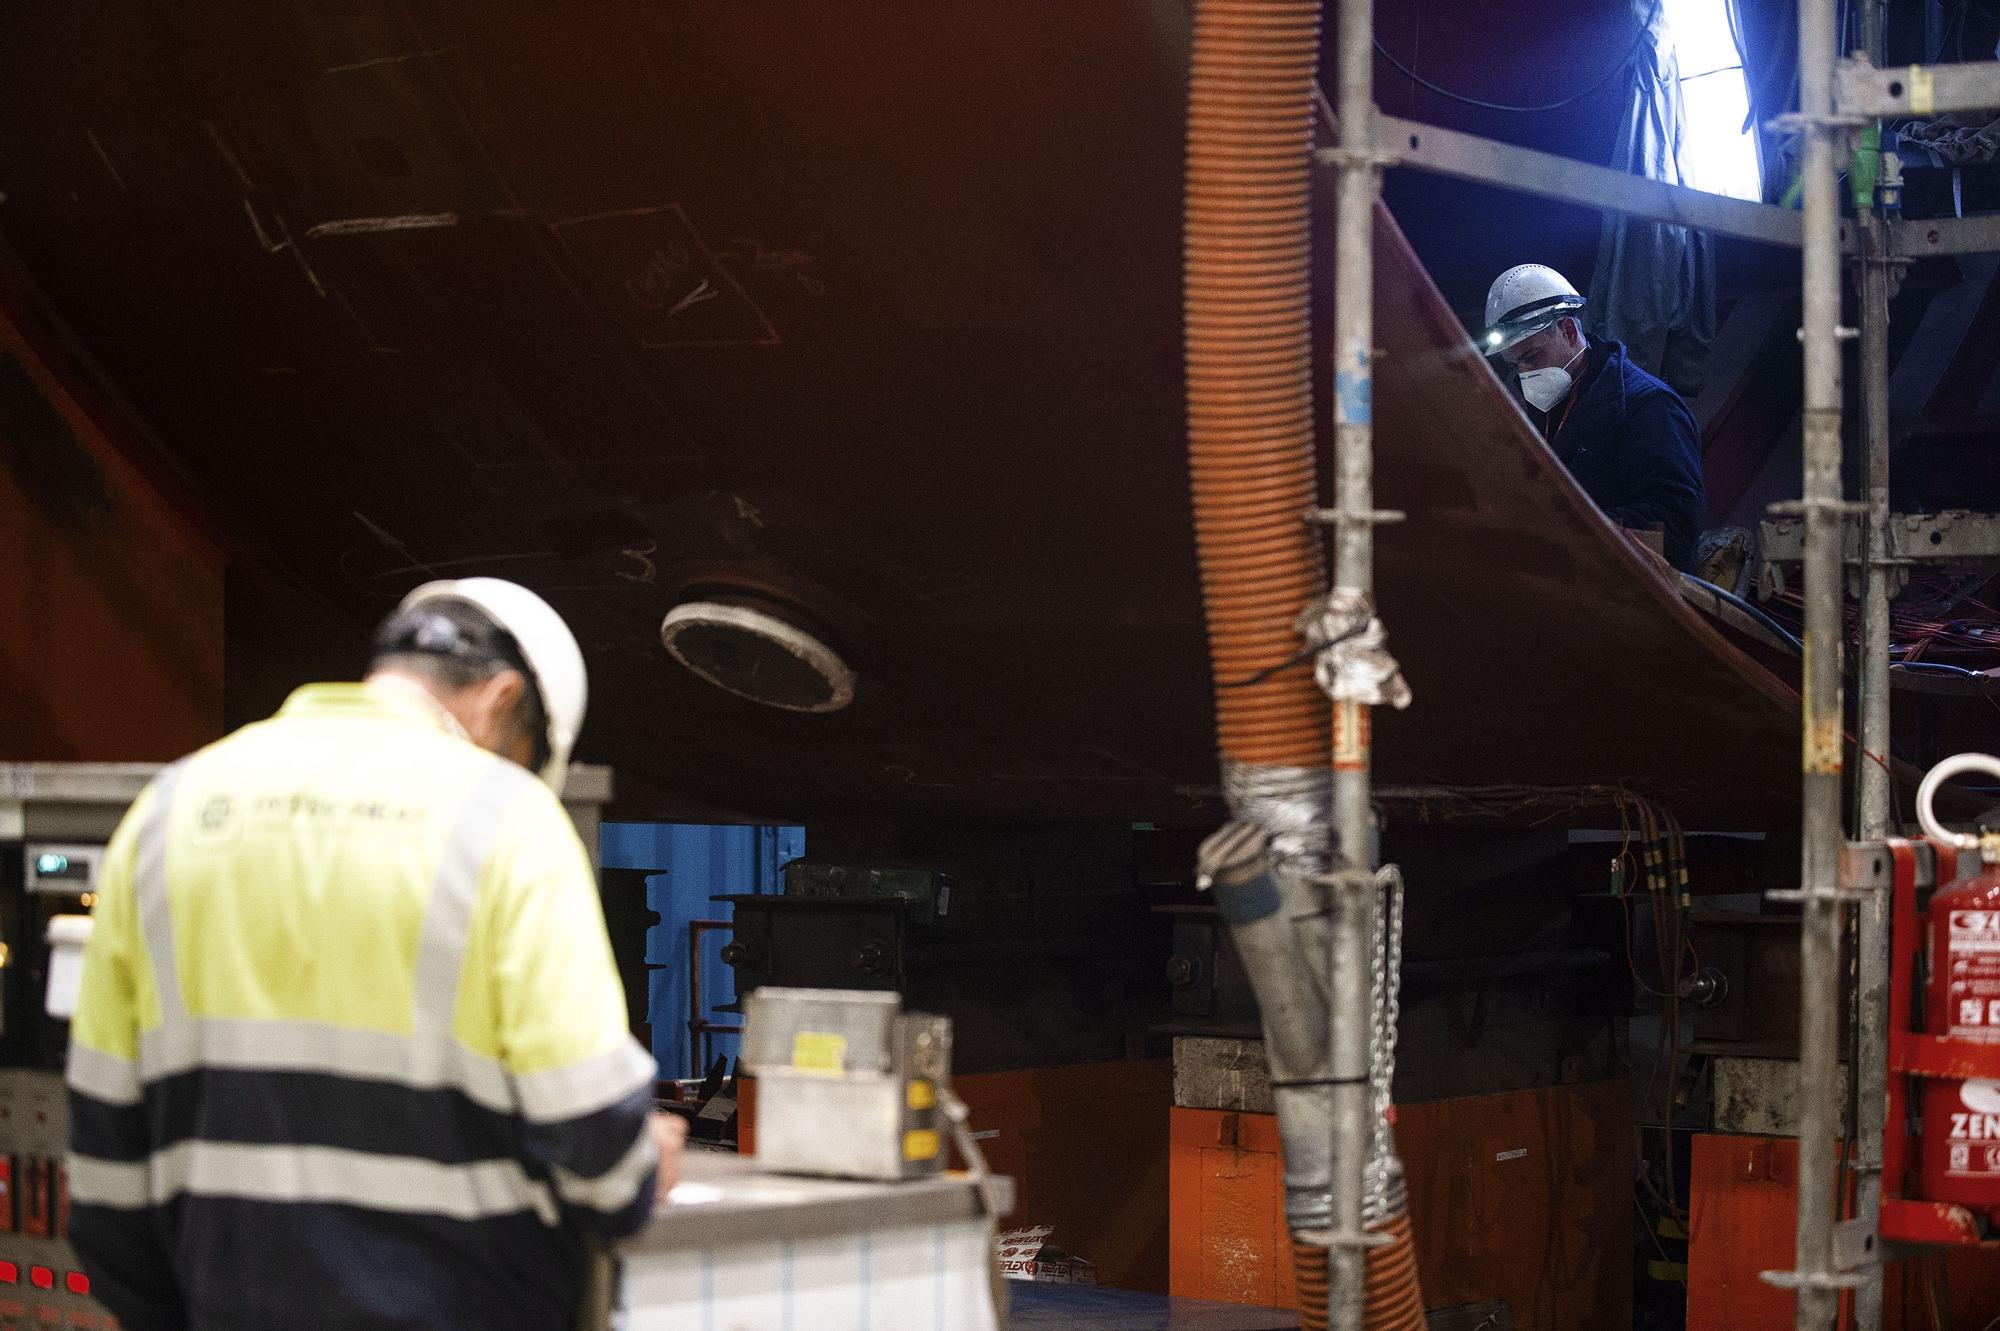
(1299, 657)
(1416, 45)
(1945, 33)
(1623, 63)
(1939, 668)
(1791, 639)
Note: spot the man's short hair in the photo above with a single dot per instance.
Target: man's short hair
(452, 644)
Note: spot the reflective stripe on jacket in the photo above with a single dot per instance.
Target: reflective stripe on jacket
(351, 1047)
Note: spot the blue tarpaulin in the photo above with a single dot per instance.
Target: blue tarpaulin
(1654, 285)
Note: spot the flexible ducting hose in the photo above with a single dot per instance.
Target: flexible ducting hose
(1253, 464)
(1309, 1267)
(1248, 298)
(1249, 369)
(1394, 1298)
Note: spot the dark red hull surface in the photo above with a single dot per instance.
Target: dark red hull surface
(871, 309)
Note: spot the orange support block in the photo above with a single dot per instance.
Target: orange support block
(1524, 1196)
(1743, 1216)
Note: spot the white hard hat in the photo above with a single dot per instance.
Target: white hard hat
(1522, 302)
(550, 649)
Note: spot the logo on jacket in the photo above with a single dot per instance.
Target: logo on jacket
(215, 820)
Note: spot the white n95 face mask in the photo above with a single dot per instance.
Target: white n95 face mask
(1545, 387)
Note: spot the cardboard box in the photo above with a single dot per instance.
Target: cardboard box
(1026, 1254)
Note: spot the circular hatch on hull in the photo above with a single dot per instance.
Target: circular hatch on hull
(759, 654)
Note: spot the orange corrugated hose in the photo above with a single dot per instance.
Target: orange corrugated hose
(1395, 1297)
(1309, 1264)
(1249, 367)
(1250, 437)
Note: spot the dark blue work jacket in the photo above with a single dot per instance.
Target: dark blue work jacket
(1632, 445)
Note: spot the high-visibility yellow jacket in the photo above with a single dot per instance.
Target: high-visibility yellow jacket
(351, 1046)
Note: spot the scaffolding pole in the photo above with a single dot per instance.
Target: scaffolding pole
(1833, 96)
(1353, 902)
(1871, 1070)
(1872, 794)
(1822, 135)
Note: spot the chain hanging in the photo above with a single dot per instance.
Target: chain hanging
(1383, 1185)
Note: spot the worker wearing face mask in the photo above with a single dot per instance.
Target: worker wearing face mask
(1627, 438)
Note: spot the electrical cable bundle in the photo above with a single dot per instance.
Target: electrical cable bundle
(1927, 618)
(1649, 866)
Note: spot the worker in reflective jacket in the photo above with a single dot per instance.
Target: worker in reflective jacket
(351, 1047)
(1627, 438)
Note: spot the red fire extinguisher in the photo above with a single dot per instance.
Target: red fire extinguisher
(1960, 1161)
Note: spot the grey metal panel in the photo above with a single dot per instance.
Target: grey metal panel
(34, 1113)
(85, 801)
(69, 801)
(775, 1019)
(34, 1123)
(744, 1204)
(1916, 90)
(1229, 1075)
(1760, 1096)
(1955, 536)
(586, 790)
(1945, 235)
(1469, 157)
(75, 782)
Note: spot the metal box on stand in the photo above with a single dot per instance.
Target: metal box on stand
(851, 1084)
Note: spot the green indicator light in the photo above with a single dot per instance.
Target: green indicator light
(51, 864)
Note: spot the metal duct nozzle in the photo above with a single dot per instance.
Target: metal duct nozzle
(1279, 930)
(1233, 855)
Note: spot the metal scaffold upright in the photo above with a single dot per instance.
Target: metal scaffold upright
(1837, 98)
(1814, 1278)
(1352, 904)
(1840, 105)
(1871, 776)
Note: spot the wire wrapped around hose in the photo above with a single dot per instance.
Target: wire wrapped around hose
(1248, 297)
